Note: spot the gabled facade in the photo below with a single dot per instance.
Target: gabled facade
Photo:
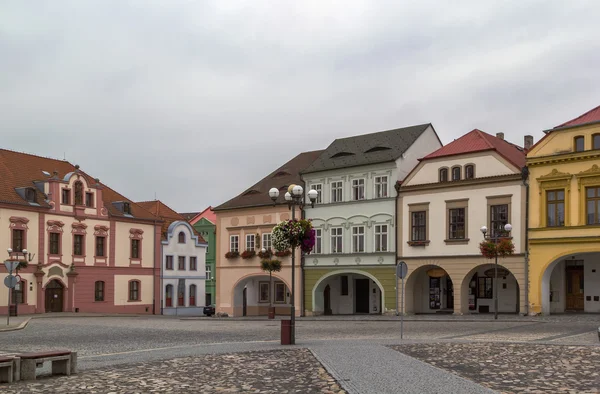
(205, 224)
(183, 264)
(472, 182)
(89, 248)
(352, 267)
(244, 224)
(564, 218)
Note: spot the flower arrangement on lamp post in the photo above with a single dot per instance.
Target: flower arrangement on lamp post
(294, 233)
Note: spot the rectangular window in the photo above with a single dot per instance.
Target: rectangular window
(99, 291)
(135, 248)
(555, 204)
(208, 272)
(100, 247)
(193, 263)
(596, 141)
(89, 199)
(78, 245)
(318, 248)
(134, 290)
(593, 205)
(250, 242)
(344, 285)
(169, 262)
(181, 292)
(358, 239)
(456, 220)
(336, 240)
(358, 189)
(319, 189)
(336, 191)
(54, 243)
(17, 293)
(419, 226)
(192, 295)
(66, 196)
(579, 144)
(381, 186)
(263, 292)
(181, 263)
(279, 293)
(18, 240)
(485, 287)
(266, 241)
(234, 243)
(498, 219)
(381, 238)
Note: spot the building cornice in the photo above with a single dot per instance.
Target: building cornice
(563, 158)
(463, 182)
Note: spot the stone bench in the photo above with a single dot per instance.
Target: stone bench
(8, 369)
(64, 362)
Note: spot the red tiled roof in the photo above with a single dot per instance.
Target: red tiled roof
(166, 214)
(479, 141)
(18, 170)
(591, 116)
(207, 214)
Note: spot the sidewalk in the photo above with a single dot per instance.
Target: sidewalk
(16, 323)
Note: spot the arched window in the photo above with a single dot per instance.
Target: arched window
(579, 144)
(181, 237)
(596, 141)
(78, 193)
(99, 291)
(469, 171)
(169, 295)
(456, 173)
(192, 295)
(443, 175)
(134, 290)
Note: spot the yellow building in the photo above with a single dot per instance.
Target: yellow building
(564, 217)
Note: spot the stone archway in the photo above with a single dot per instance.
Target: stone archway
(429, 289)
(251, 295)
(350, 292)
(54, 296)
(478, 287)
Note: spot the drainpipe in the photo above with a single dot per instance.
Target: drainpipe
(525, 175)
(397, 187)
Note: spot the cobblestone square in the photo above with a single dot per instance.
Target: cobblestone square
(516, 368)
(279, 371)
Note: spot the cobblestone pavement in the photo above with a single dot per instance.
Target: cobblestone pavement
(280, 371)
(516, 368)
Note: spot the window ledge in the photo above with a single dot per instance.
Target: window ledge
(100, 302)
(463, 241)
(418, 243)
(134, 300)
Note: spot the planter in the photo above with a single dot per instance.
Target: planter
(248, 254)
(232, 255)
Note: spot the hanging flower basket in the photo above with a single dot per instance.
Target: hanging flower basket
(267, 254)
(489, 249)
(270, 265)
(248, 254)
(232, 255)
(292, 234)
(283, 253)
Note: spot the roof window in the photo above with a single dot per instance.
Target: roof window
(377, 149)
(342, 154)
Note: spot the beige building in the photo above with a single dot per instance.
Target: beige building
(244, 226)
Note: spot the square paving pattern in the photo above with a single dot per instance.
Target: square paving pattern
(516, 368)
(280, 371)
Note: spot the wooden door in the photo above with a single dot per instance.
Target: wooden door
(361, 295)
(54, 297)
(574, 291)
(327, 300)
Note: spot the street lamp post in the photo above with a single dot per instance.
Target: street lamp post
(494, 238)
(294, 197)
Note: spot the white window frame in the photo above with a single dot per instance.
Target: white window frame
(337, 186)
(357, 235)
(356, 189)
(381, 186)
(379, 235)
(234, 243)
(319, 188)
(267, 242)
(334, 248)
(318, 248)
(208, 272)
(250, 241)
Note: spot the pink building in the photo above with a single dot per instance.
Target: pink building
(89, 249)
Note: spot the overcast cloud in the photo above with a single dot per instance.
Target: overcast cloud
(196, 100)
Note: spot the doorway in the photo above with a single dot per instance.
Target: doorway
(244, 302)
(54, 296)
(327, 300)
(361, 295)
(449, 294)
(574, 279)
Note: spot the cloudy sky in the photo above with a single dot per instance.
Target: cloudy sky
(194, 101)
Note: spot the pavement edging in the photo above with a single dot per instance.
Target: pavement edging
(19, 327)
(345, 384)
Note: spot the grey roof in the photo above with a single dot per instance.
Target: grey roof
(365, 149)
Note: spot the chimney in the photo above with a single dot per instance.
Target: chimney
(528, 142)
(500, 135)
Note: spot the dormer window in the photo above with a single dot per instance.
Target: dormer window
(579, 144)
(456, 173)
(250, 192)
(342, 154)
(126, 208)
(89, 199)
(181, 237)
(281, 173)
(378, 149)
(443, 175)
(78, 186)
(469, 171)
(66, 196)
(30, 195)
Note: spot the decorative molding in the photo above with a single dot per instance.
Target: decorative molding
(135, 232)
(267, 219)
(55, 225)
(18, 222)
(315, 261)
(555, 174)
(235, 221)
(55, 271)
(357, 260)
(284, 216)
(101, 230)
(336, 261)
(380, 259)
(250, 220)
(79, 226)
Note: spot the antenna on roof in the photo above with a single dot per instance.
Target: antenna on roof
(65, 156)
(154, 195)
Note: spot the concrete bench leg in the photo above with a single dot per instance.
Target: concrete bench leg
(28, 369)
(16, 369)
(73, 363)
(6, 374)
(61, 367)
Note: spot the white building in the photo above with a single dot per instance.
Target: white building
(472, 182)
(351, 269)
(183, 266)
